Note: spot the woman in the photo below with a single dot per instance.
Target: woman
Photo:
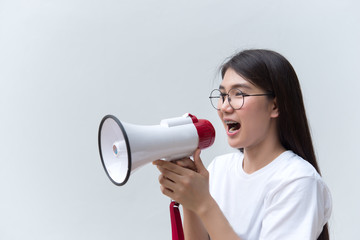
(271, 188)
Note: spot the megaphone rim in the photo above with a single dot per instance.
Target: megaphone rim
(127, 148)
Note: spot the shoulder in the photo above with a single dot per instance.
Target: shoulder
(297, 193)
(296, 177)
(292, 167)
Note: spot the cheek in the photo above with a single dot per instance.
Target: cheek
(219, 114)
(256, 108)
(255, 119)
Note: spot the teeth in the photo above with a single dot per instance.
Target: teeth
(230, 122)
(233, 129)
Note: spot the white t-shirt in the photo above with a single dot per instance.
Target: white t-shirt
(287, 199)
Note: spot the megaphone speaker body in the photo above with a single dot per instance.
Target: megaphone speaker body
(124, 147)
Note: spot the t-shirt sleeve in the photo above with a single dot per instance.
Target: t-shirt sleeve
(297, 209)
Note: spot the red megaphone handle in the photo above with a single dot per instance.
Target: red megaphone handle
(176, 225)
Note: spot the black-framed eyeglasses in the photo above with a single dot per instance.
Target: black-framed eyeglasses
(235, 98)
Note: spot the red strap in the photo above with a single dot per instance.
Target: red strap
(176, 225)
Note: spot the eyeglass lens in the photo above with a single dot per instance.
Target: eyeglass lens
(235, 98)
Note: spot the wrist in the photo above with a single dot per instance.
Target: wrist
(206, 207)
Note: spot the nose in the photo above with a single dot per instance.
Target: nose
(225, 106)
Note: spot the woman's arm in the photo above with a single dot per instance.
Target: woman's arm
(193, 226)
(191, 190)
(216, 223)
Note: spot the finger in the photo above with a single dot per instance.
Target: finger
(166, 191)
(186, 163)
(166, 182)
(157, 162)
(197, 161)
(171, 167)
(174, 177)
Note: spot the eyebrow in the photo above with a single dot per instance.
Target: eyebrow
(239, 85)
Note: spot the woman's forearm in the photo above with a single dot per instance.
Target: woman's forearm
(193, 227)
(215, 222)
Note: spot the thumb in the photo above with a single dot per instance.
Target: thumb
(198, 163)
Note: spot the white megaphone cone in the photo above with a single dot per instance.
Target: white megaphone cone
(124, 147)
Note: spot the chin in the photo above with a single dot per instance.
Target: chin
(235, 144)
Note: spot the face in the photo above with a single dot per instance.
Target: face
(252, 125)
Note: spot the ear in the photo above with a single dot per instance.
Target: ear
(274, 109)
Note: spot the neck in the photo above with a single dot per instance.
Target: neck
(260, 155)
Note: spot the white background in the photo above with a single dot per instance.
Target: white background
(64, 64)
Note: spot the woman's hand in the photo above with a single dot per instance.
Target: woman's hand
(202, 215)
(186, 163)
(181, 183)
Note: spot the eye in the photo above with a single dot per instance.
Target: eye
(236, 93)
(223, 95)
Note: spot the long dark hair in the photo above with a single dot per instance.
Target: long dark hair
(272, 72)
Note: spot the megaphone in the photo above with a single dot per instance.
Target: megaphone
(124, 147)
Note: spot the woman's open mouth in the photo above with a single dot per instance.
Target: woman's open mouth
(233, 127)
